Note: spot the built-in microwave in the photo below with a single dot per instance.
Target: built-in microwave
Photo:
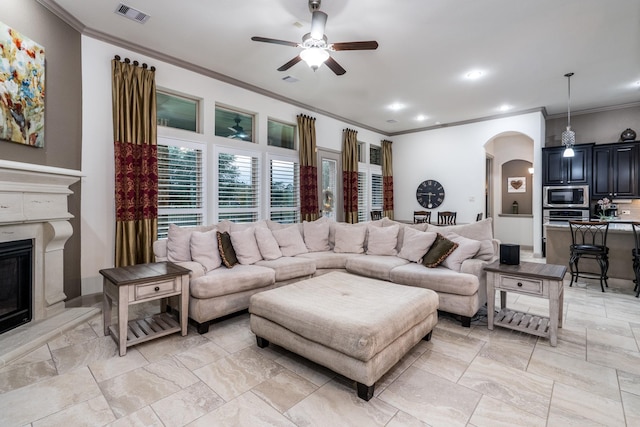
(566, 196)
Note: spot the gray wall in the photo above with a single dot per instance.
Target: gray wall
(602, 127)
(63, 111)
(517, 168)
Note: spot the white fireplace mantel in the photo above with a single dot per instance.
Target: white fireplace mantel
(33, 205)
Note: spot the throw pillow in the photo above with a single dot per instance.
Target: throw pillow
(316, 235)
(178, 238)
(467, 249)
(382, 240)
(349, 238)
(268, 245)
(204, 249)
(416, 243)
(439, 251)
(245, 245)
(225, 247)
(290, 241)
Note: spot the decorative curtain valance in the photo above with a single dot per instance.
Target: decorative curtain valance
(136, 168)
(350, 174)
(387, 179)
(308, 168)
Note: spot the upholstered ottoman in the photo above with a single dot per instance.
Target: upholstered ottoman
(356, 326)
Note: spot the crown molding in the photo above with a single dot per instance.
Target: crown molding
(596, 110)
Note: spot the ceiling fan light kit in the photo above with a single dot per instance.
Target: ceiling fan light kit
(315, 46)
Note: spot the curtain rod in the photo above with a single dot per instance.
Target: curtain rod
(135, 63)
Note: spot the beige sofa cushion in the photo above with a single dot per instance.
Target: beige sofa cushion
(245, 244)
(376, 266)
(467, 249)
(349, 238)
(479, 230)
(329, 259)
(268, 245)
(316, 235)
(204, 249)
(439, 279)
(288, 268)
(290, 240)
(225, 281)
(382, 240)
(416, 243)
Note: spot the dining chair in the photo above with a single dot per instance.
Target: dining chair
(589, 241)
(635, 253)
(447, 218)
(421, 217)
(376, 215)
(479, 217)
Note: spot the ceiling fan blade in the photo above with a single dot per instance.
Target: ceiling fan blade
(334, 66)
(274, 41)
(290, 64)
(368, 45)
(318, 23)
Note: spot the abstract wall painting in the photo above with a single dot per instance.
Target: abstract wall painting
(21, 88)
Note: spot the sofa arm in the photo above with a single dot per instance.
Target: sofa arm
(160, 250)
(476, 267)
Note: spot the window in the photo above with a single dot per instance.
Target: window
(361, 152)
(285, 187)
(375, 155)
(181, 179)
(238, 187)
(376, 191)
(177, 111)
(363, 205)
(234, 124)
(281, 134)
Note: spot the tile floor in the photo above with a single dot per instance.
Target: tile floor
(462, 377)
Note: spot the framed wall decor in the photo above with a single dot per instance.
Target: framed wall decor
(21, 88)
(517, 184)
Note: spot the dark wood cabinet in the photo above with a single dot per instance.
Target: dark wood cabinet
(558, 170)
(615, 171)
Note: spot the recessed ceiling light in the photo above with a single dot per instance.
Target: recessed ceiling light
(505, 107)
(438, 123)
(473, 75)
(421, 117)
(396, 106)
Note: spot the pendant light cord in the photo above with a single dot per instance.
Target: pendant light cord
(568, 76)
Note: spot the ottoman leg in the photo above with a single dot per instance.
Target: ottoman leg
(365, 392)
(427, 337)
(262, 343)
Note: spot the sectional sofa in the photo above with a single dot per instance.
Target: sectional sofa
(269, 254)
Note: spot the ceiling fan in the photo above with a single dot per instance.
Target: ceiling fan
(238, 131)
(315, 46)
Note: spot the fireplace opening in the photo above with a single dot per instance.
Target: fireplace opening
(15, 283)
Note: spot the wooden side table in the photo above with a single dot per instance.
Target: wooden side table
(141, 283)
(527, 278)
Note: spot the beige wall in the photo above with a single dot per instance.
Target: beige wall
(511, 169)
(63, 111)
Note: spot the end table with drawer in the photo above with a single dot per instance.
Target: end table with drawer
(527, 278)
(139, 283)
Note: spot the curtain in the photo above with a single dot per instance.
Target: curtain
(136, 168)
(350, 175)
(308, 168)
(387, 179)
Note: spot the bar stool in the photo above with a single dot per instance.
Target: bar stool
(635, 252)
(589, 240)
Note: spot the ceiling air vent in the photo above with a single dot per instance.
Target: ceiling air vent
(131, 13)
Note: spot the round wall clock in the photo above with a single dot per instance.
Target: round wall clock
(430, 194)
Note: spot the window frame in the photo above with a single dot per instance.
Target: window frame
(238, 111)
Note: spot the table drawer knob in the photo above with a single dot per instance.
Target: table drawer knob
(157, 288)
(519, 284)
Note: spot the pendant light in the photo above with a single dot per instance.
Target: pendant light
(568, 136)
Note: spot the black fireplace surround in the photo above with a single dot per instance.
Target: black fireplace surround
(15, 283)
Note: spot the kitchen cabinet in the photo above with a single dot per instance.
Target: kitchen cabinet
(615, 171)
(558, 170)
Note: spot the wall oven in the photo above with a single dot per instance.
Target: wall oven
(565, 196)
(563, 216)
